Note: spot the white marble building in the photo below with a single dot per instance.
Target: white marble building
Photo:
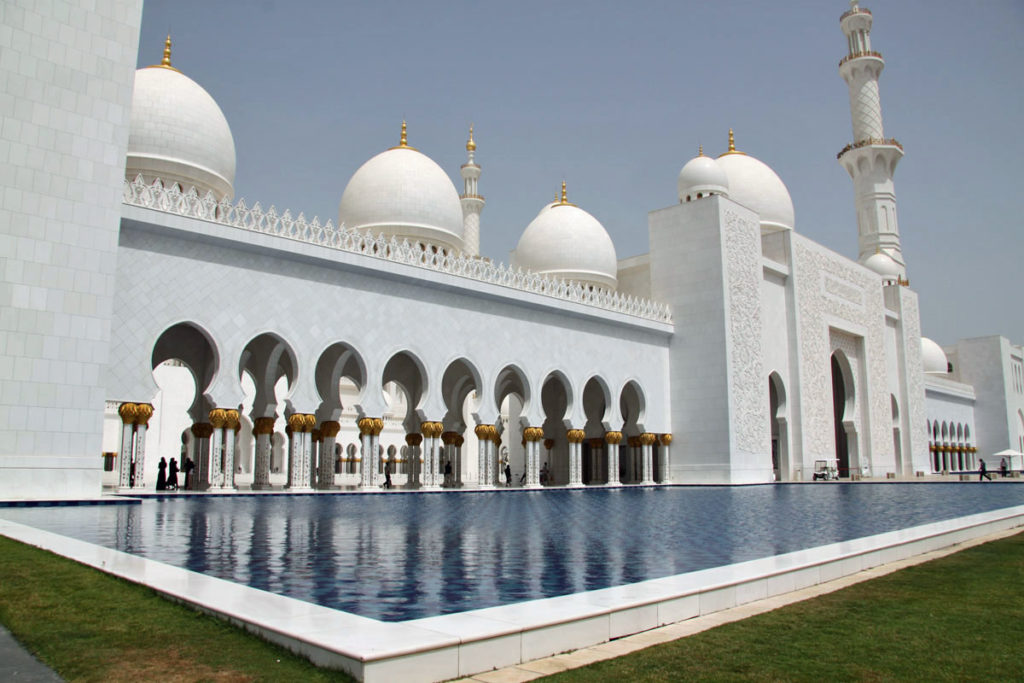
(275, 351)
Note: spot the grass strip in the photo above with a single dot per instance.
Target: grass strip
(957, 618)
(90, 626)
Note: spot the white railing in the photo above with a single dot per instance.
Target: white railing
(172, 200)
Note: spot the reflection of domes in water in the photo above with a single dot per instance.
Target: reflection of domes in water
(700, 177)
(566, 242)
(756, 186)
(405, 194)
(178, 133)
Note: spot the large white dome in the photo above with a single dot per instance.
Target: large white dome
(405, 194)
(700, 177)
(933, 358)
(178, 133)
(756, 186)
(566, 242)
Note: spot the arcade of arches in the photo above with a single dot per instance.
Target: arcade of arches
(267, 440)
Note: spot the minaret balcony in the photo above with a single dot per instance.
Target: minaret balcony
(860, 55)
(855, 10)
(871, 142)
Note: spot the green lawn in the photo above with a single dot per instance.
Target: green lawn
(90, 626)
(957, 618)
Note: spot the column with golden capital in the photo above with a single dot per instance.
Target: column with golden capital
(329, 430)
(533, 436)
(413, 459)
(575, 437)
(431, 431)
(612, 439)
(262, 430)
(664, 458)
(201, 432)
(485, 434)
(143, 411)
(232, 425)
(126, 471)
(300, 425)
(369, 439)
(647, 441)
(218, 418)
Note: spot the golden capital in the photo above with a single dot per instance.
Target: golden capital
(218, 418)
(533, 434)
(297, 422)
(666, 439)
(596, 443)
(202, 430)
(549, 443)
(414, 439)
(448, 438)
(648, 439)
(633, 441)
(330, 428)
(458, 441)
(378, 426)
(263, 425)
(365, 425)
(317, 435)
(482, 432)
(613, 438)
(143, 411)
(234, 420)
(308, 422)
(127, 412)
(575, 435)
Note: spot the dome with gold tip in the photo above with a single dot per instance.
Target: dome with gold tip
(566, 242)
(403, 193)
(756, 186)
(178, 133)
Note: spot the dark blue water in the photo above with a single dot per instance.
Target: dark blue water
(398, 557)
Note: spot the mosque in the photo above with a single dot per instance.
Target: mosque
(272, 351)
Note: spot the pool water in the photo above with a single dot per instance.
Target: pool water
(399, 557)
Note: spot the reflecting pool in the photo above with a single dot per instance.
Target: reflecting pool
(398, 556)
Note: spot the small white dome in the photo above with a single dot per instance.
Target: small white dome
(566, 242)
(884, 265)
(178, 133)
(933, 358)
(756, 186)
(405, 194)
(702, 176)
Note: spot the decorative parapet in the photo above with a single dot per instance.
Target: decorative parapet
(867, 142)
(172, 200)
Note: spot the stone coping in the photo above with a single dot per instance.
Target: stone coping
(461, 644)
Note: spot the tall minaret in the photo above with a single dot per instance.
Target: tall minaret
(871, 158)
(472, 202)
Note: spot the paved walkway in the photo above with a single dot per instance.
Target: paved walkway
(528, 671)
(17, 665)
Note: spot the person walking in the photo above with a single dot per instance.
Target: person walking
(161, 477)
(508, 476)
(983, 471)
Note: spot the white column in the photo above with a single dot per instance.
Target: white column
(647, 457)
(263, 428)
(369, 435)
(218, 418)
(329, 433)
(665, 456)
(127, 413)
(483, 434)
(230, 446)
(613, 439)
(412, 457)
(575, 437)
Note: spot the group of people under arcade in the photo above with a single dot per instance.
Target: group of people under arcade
(167, 476)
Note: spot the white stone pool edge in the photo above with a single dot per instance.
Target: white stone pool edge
(456, 645)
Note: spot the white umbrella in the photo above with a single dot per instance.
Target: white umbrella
(1010, 454)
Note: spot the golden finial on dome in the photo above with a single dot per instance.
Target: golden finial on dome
(700, 150)
(564, 199)
(167, 52)
(404, 140)
(732, 145)
(470, 144)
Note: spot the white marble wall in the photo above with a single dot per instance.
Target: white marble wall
(66, 70)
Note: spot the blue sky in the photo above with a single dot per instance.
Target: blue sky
(614, 97)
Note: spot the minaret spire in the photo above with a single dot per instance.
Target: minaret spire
(472, 202)
(871, 158)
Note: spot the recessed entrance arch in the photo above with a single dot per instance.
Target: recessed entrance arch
(780, 427)
(844, 426)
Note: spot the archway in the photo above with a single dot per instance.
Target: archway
(555, 397)
(340, 376)
(842, 413)
(779, 426)
(270, 363)
(404, 381)
(460, 387)
(596, 399)
(632, 407)
(511, 396)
